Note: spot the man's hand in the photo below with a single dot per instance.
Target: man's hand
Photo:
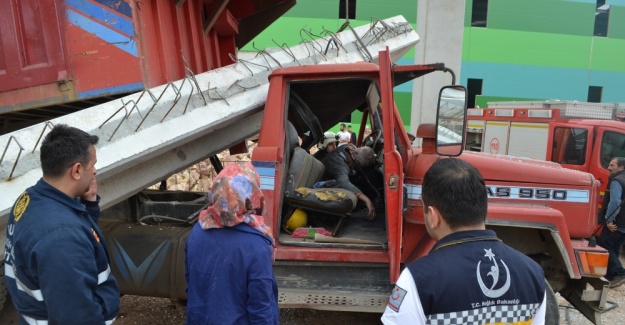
(92, 193)
(369, 204)
(612, 226)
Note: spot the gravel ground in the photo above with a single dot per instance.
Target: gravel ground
(143, 310)
(147, 310)
(570, 316)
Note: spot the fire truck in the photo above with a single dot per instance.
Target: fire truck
(577, 135)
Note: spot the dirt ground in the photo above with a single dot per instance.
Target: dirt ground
(146, 310)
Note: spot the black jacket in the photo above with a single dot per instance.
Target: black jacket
(620, 217)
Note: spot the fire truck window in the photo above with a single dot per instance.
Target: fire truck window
(612, 145)
(569, 145)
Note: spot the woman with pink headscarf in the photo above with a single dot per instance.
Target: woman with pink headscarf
(229, 255)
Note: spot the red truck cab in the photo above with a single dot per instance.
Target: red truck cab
(540, 208)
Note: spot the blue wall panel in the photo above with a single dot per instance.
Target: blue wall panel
(510, 80)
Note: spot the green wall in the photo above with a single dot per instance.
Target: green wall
(542, 16)
(529, 49)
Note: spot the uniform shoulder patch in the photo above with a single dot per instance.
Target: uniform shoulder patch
(396, 298)
(20, 206)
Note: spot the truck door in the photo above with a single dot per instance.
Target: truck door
(31, 53)
(610, 143)
(568, 145)
(393, 167)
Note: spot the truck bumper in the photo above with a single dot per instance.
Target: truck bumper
(589, 296)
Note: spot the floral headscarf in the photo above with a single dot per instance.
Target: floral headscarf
(235, 198)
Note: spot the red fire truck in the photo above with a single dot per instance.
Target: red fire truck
(576, 135)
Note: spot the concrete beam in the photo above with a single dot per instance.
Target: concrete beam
(147, 136)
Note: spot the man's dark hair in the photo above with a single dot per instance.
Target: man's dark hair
(63, 147)
(620, 161)
(457, 190)
(342, 124)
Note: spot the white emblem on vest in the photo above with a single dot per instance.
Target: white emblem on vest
(494, 272)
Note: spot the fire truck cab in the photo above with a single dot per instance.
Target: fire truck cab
(580, 136)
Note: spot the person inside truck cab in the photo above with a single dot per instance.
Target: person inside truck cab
(326, 145)
(469, 276)
(347, 165)
(613, 234)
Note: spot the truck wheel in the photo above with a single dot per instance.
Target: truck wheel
(552, 315)
(3, 287)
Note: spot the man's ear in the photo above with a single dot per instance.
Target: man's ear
(76, 171)
(434, 217)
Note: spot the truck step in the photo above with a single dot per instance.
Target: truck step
(333, 300)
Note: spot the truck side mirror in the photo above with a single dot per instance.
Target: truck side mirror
(451, 117)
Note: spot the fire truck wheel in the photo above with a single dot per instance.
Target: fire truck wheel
(552, 315)
(3, 287)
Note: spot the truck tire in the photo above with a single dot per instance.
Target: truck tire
(552, 315)
(3, 287)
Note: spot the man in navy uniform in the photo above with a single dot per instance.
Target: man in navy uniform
(56, 263)
(469, 276)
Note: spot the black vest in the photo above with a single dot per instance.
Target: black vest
(470, 277)
(620, 217)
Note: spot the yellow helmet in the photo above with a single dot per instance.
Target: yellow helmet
(297, 219)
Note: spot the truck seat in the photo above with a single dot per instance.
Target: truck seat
(303, 173)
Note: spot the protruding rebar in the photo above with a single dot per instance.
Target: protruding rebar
(313, 41)
(284, 47)
(179, 95)
(126, 115)
(362, 48)
(236, 60)
(18, 155)
(218, 94)
(191, 75)
(154, 105)
(263, 53)
(47, 123)
(333, 39)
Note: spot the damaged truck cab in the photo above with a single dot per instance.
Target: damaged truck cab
(539, 208)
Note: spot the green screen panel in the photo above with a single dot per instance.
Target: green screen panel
(328, 9)
(526, 48)
(559, 17)
(366, 9)
(403, 100)
(409, 55)
(608, 54)
(468, 11)
(616, 26)
(356, 118)
(288, 30)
